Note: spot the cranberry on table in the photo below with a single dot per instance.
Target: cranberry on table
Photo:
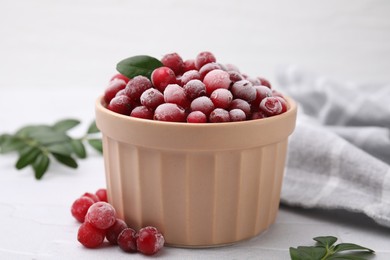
(113, 232)
(80, 207)
(169, 112)
(174, 62)
(142, 112)
(90, 236)
(196, 117)
(113, 88)
(162, 77)
(102, 194)
(204, 58)
(127, 240)
(271, 106)
(101, 215)
(120, 105)
(94, 197)
(216, 79)
(149, 240)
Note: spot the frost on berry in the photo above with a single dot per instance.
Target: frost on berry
(113, 232)
(120, 76)
(237, 115)
(203, 104)
(194, 88)
(80, 207)
(94, 197)
(101, 215)
(207, 68)
(152, 98)
(90, 236)
(102, 194)
(219, 115)
(271, 106)
(174, 62)
(162, 77)
(121, 105)
(221, 98)
(113, 88)
(136, 87)
(204, 58)
(142, 112)
(127, 240)
(149, 240)
(169, 112)
(196, 117)
(189, 65)
(244, 89)
(175, 94)
(216, 79)
(189, 75)
(241, 104)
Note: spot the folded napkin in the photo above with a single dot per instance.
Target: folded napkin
(339, 153)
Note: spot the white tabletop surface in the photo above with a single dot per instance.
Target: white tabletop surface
(56, 58)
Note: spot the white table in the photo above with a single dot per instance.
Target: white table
(56, 57)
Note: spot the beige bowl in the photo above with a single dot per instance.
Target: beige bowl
(200, 184)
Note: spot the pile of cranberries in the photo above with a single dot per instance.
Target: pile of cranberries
(197, 90)
(99, 222)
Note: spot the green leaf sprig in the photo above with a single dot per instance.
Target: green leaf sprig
(38, 144)
(325, 249)
(138, 65)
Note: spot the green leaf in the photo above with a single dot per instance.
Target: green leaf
(31, 129)
(66, 160)
(60, 148)
(308, 253)
(27, 157)
(97, 144)
(65, 124)
(138, 65)
(40, 166)
(50, 137)
(9, 143)
(348, 246)
(78, 148)
(92, 129)
(294, 254)
(326, 241)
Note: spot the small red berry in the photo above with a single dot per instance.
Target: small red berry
(169, 112)
(142, 112)
(219, 115)
(189, 75)
(121, 105)
(114, 231)
(149, 240)
(241, 104)
(127, 240)
(162, 77)
(120, 76)
(264, 82)
(216, 79)
(113, 88)
(221, 98)
(152, 98)
(203, 104)
(80, 207)
(102, 194)
(173, 61)
(194, 88)
(204, 58)
(89, 236)
(283, 102)
(237, 115)
(189, 65)
(101, 215)
(207, 68)
(196, 117)
(136, 87)
(175, 94)
(271, 106)
(94, 197)
(244, 89)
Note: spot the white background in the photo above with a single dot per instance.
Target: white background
(57, 56)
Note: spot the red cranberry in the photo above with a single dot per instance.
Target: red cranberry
(121, 92)
(261, 93)
(101, 215)
(235, 76)
(80, 207)
(102, 194)
(152, 98)
(127, 240)
(175, 94)
(243, 89)
(121, 105)
(149, 240)
(194, 88)
(189, 65)
(121, 77)
(271, 106)
(162, 77)
(241, 104)
(203, 104)
(89, 236)
(207, 68)
(189, 75)
(219, 115)
(264, 82)
(258, 115)
(113, 232)
(196, 117)
(232, 67)
(216, 79)
(113, 88)
(173, 61)
(169, 112)
(137, 86)
(142, 112)
(92, 196)
(237, 115)
(221, 98)
(283, 102)
(204, 58)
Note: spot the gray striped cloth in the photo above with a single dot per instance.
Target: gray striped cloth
(339, 154)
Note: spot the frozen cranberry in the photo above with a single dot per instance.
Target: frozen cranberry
(121, 105)
(113, 88)
(204, 58)
(258, 115)
(121, 92)
(101, 215)
(149, 240)
(113, 232)
(283, 102)
(121, 77)
(189, 65)
(94, 197)
(241, 104)
(235, 76)
(203, 104)
(254, 81)
(137, 86)
(232, 67)
(276, 93)
(90, 236)
(102, 194)
(169, 112)
(175, 94)
(162, 77)
(222, 66)
(189, 75)
(237, 115)
(243, 89)
(152, 98)
(261, 93)
(219, 115)
(207, 68)
(270, 106)
(80, 207)
(196, 117)
(264, 82)
(173, 61)
(216, 79)
(194, 88)
(142, 112)
(221, 98)
(127, 240)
